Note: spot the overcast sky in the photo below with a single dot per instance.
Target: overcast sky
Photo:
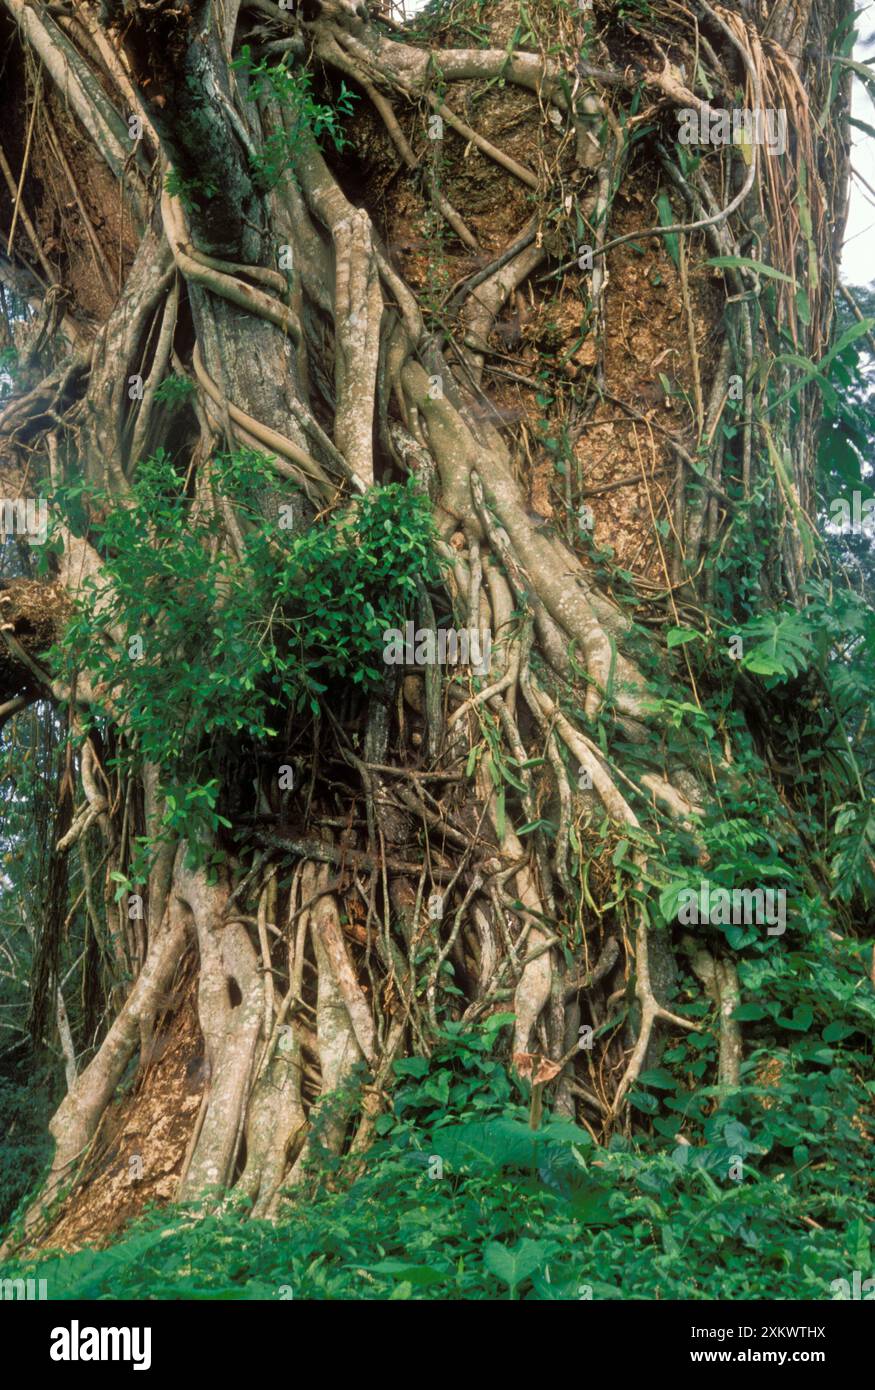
(858, 261)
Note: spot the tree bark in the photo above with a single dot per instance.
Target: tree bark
(309, 329)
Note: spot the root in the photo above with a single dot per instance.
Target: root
(260, 436)
(459, 802)
(230, 1010)
(651, 1011)
(76, 1120)
(230, 287)
(402, 145)
(339, 1050)
(721, 985)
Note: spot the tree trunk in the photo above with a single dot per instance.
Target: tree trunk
(485, 270)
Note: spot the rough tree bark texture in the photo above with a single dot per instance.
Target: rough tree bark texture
(306, 313)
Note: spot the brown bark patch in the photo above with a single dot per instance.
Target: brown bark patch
(142, 1141)
(646, 347)
(89, 276)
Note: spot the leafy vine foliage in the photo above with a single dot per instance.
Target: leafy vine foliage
(225, 647)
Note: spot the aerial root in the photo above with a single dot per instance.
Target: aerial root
(651, 1012)
(401, 143)
(262, 437)
(203, 271)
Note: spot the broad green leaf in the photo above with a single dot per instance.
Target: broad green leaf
(423, 1276)
(677, 636)
(593, 1207)
(513, 1265)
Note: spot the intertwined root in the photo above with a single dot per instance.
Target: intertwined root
(290, 1011)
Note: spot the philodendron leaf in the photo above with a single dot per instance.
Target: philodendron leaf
(514, 1265)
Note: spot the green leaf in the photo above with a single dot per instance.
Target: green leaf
(835, 1032)
(667, 219)
(564, 1132)
(534, 825)
(412, 1066)
(745, 262)
(593, 1207)
(857, 1244)
(497, 1143)
(670, 897)
(862, 125)
(422, 1276)
(801, 1021)
(495, 1022)
(513, 1266)
(660, 1078)
(815, 370)
(677, 636)
(853, 864)
(670, 1242)
(620, 852)
(642, 1101)
(749, 1013)
(785, 647)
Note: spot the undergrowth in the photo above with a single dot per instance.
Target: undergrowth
(25, 1147)
(767, 1197)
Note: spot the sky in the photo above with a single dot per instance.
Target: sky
(858, 259)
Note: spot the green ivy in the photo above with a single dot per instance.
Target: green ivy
(200, 666)
(292, 89)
